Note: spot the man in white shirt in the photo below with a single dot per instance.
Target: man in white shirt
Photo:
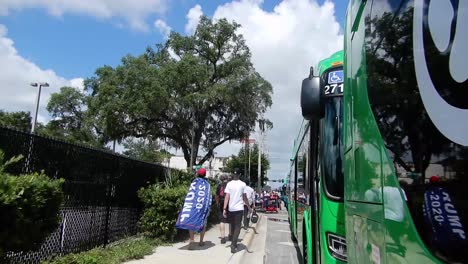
(250, 193)
(234, 207)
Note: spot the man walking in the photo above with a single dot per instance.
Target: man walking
(234, 207)
(250, 193)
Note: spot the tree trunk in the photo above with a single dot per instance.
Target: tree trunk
(194, 145)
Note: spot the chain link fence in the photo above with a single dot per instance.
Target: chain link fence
(101, 204)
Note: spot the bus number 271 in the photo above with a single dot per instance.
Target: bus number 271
(331, 89)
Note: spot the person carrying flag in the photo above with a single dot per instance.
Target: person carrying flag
(196, 208)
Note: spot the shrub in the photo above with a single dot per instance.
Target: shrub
(29, 209)
(177, 178)
(162, 207)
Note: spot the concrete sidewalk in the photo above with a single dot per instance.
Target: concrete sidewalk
(212, 252)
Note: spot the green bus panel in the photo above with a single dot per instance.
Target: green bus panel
(330, 214)
(399, 160)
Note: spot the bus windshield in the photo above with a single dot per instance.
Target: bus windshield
(331, 134)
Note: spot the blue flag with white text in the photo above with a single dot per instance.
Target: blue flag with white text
(445, 223)
(196, 208)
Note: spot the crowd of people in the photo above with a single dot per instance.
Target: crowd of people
(265, 199)
(236, 203)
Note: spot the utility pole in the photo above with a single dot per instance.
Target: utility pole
(250, 150)
(260, 143)
(246, 149)
(246, 156)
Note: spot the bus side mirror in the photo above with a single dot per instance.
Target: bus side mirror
(310, 98)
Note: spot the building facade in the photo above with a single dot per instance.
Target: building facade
(213, 166)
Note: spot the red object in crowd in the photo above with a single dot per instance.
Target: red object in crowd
(434, 179)
(201, 172)
(272, 204)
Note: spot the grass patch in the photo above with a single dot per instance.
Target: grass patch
(127, 249)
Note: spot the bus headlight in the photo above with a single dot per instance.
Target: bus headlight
(337, 246)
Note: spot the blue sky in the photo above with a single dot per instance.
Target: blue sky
(75, 45)
(63, 42)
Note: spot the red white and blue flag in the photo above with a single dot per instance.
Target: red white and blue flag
(196, 208)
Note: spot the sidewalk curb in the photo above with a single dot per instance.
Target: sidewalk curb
(248, 238)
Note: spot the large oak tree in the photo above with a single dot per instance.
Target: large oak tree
(192, 91)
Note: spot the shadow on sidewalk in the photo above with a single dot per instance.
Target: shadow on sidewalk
(207, 245)
(240, 247)
(254, 229)
(229, 241)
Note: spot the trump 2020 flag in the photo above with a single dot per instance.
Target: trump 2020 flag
(447, 231)
(196, 206)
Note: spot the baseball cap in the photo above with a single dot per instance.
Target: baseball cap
(434, 179)
(201, 172)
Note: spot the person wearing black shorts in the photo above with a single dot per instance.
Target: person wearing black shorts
(219, 197)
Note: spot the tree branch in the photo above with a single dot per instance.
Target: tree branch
(210, 150)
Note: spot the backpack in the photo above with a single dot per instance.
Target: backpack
(221, 190)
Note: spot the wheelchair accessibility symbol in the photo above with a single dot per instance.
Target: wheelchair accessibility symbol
(335, 77)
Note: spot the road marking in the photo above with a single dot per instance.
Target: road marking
(284, 231)
(286, 244)
(285, 224)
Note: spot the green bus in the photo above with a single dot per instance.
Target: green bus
(316, 210)
(405, 131)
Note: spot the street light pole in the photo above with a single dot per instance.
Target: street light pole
(42, 84)
(27, 164)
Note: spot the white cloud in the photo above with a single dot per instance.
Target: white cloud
(16, 93)
(163, 28)
(77, 83)
(193, 18)
(133, 12)
(284, 44)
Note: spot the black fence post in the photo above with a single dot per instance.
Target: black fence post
(108, 205)
(110, 196)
